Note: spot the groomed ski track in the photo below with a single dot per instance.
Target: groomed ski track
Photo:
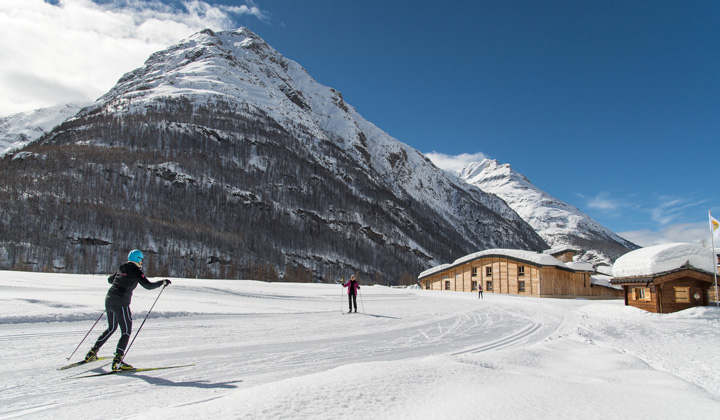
(284, 350)
(273, 334)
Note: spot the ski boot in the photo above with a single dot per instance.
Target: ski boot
(118, 364)
(92, 354)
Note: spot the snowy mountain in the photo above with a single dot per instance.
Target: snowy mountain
(220, 157)
(18, 130)
(558, 223)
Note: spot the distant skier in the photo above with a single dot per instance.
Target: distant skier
(117, 306)
(480, 296)
(353, 287)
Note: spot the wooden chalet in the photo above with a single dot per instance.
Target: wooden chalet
(517, 272)
(666, 278)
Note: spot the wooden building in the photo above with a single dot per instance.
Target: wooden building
(564, 255)
(667, 278)
(516, 272)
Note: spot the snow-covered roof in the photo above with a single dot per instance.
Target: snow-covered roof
(580, 266)
(663, 258)
(517, 254)
(560, 250)
(603, 281)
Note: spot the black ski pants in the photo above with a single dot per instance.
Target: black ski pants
(118, 316)
(352, 299)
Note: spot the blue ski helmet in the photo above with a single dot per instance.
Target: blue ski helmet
(136, 256)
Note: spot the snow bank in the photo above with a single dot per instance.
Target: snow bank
(662, 258)
(699, 312)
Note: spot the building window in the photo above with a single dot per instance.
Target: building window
(521, 270)
(488, 271)
(427, 284)
(447, 284)
(474, 285)
(682, 295)
(521, 286)
(488, 286)
(642, 293)
(474, 272)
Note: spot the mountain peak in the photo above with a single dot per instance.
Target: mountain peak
(244, 162)
(246, 32)
(230, 66)
(472, 169)
(558, 223)
(502, 173)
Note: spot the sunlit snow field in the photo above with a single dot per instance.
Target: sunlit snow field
(285, 351)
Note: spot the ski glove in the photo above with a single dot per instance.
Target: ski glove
(167, 282)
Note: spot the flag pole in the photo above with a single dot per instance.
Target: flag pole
(714, 257)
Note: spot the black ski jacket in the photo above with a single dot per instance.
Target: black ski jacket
(124, 281)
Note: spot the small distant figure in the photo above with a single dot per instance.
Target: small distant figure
(480, 296)
(353, 287)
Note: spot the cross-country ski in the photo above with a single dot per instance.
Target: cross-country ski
(83, 362)
(133, 370)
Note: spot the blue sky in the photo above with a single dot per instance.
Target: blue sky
(611, 106)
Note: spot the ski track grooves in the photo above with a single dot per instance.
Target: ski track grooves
(261, 345)
(504, 342)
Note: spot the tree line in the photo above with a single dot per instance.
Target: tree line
(208, 192)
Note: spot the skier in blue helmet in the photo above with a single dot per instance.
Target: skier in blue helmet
(117, 306)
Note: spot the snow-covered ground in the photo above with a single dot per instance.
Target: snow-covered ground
(285, 351)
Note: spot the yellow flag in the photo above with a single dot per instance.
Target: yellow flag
(714, 225)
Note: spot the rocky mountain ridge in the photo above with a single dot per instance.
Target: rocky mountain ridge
(19, 130)
(560, 224)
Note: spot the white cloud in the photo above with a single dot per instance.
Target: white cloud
(76, 50)
(697, 233)
(670, 209)
(669, 215)
(604, 202)
(454, 163)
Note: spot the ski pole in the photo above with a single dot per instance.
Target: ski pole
(342, 281)
(143, 323)
(86, 335)
(361, 301)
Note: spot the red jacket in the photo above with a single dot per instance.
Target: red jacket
(352, 290)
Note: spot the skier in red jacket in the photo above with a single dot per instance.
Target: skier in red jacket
(353, 287)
